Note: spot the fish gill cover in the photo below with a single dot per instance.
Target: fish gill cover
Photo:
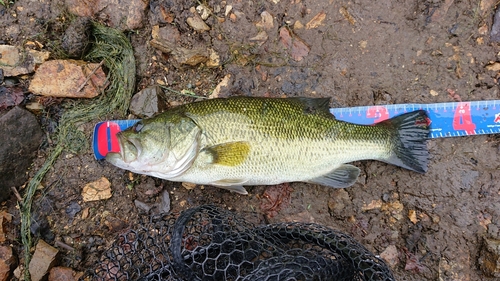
(208, 243)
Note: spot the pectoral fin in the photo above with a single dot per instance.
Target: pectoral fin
(229, 154)
(344, 176)
(234, 185)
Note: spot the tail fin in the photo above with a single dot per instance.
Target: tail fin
(409, 140)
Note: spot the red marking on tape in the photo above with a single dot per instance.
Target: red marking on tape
(106, 138)
(497, 118)
(462, 120)
(379, 112)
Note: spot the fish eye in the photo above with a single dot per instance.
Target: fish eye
(138, 127)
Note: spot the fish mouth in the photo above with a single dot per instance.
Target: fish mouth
(130, 149)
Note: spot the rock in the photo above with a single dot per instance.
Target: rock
(441, 12)
(120, 14)
(147, 102)
(83, 9)
(73, 209)
(412, 215)
(68, 78)
(164, 205)
(115, 224)
(494, 66)
(11, 96)
(180, 54)
(489, 259)
(15, 61)
(197, 24)
(4, 271)
(304, 216)
(97, 190)
(223, 83)
(316, 21)
(260, 38)
(44, 258)
(167, 33)
(64, 274)
(485, 6)
(266, 21)
(493, 231)
(20, 136)
(391, 256)
(5, 219)
(297, 25)
(18, 272)
(7, 256)
(161, 12)
(76, 38)
(339, 199)
(232, 17)
(297, 47)
(141, 205)
(228, 10)
(203, 11)
(7, 262)
(374, 204)
(213, 59)
(189, 185)
(495, 28)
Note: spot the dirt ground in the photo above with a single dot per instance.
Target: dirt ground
(362, 53)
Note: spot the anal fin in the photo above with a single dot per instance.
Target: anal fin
(344, 176)
(234, 185)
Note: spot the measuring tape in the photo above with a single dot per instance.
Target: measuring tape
(451, 119)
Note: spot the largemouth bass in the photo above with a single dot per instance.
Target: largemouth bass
(240, 141)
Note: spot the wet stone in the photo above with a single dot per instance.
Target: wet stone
(20, 136)
(15, 61)
(338, 201)
(489, 260)
(390, 255)
(180, 54)
(11, 96)
(44, 258)
(123, 14)
(167, 33)
(7, 262)
(69, 78)
(147, 102)
(64, 274)
(40, 225)
(73, 209)
(203, 11)
(197, 24)
(495, 28)
(493, 231)
(76, 37)
(5, 225)
(97, 190)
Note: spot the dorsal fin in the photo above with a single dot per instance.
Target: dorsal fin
(319, 106)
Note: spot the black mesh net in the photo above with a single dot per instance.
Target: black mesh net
(208, 243)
